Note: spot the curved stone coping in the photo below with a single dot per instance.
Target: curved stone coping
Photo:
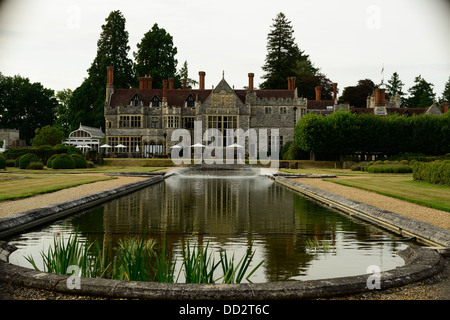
(422, 231)
(421, 263)
(31, 218)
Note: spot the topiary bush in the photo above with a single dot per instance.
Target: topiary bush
(436, 172)
(26, 159)
(63, 161)
(49, 161)
(79, 161)
(36, 166)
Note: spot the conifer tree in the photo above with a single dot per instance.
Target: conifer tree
(156, 57)
(421, 94)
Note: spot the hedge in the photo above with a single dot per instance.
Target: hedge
(63, 161)
(346, 133)
(26, 159)
(437, 172)
(49, 161)
(35, 166)
(389, 168)
(79, 161)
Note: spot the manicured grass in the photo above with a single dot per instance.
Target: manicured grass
(400, 186)
(16, 186)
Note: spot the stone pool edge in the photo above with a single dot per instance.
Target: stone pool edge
(420, 263)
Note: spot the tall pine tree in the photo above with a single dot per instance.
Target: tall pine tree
(88, 99)
(421, 94)
(156, 57)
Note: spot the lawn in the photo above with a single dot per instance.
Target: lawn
(16, 183)
(400, 186)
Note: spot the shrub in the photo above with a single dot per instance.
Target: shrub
(26, 159)
(2, 163)
(432, 172)
(389, 168)
(90, 164)
(79, 161)
(36, 166)
(49, 161)
(404, 162)
(10, 163)
(63, 161)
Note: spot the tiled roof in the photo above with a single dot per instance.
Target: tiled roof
(176, 97)
(319, 104)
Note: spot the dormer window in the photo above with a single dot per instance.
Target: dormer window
(155, 102)
(190, 101)
(136, 101)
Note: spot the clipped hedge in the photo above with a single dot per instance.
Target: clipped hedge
(63, 161)
(49, 161)
(389, 168)
(26, 159)
(79, 161)
(36, 166)
(437, 172)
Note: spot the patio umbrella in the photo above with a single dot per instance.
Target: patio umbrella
(120, 146)
(105, 146)
(198, 145)
(175, 147)
(137, 148)
(234, 145)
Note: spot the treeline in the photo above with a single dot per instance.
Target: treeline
(343, 133)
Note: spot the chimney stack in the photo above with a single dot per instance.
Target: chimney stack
(318, 93)
(145, 82)
(250, 81)
(379, 98)
(164, 99)
(109, 76)
(184, 83)
(202, 80)
(171, 83)
(334, 91)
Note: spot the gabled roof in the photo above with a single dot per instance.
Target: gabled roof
(94, 132)
(175, 97)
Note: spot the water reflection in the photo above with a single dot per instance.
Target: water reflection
(229, 212)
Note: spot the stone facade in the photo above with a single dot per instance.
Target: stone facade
(144, 119)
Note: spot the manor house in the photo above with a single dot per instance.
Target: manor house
(142, 120)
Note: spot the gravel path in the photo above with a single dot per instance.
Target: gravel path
(435, 288)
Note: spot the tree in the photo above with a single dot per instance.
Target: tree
(25, 106)
(156, 57)
(48, 135)
(395, 86)
(88, 99)
(284, 58)
(184, 74)
(63, 115)
(446, 93)
(421, 94)
(356, 96)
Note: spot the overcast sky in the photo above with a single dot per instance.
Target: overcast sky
(54, 41)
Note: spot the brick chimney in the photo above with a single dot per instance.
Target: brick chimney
(334, 91)
(184, 83)
(164, 98)
(291, 83)
(109, 76)
(171, 83)
(318, 93)
(145, 82)
(444, 107)
(202, 80)
(379, 98)
(250, 81)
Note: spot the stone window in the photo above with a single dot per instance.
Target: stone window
(268, 110)
(188, 122)
(172, 122)
(130, 122)
(155, 122)
(155, 102)
(282, 110)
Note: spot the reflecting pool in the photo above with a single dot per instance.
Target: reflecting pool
(298, 238)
